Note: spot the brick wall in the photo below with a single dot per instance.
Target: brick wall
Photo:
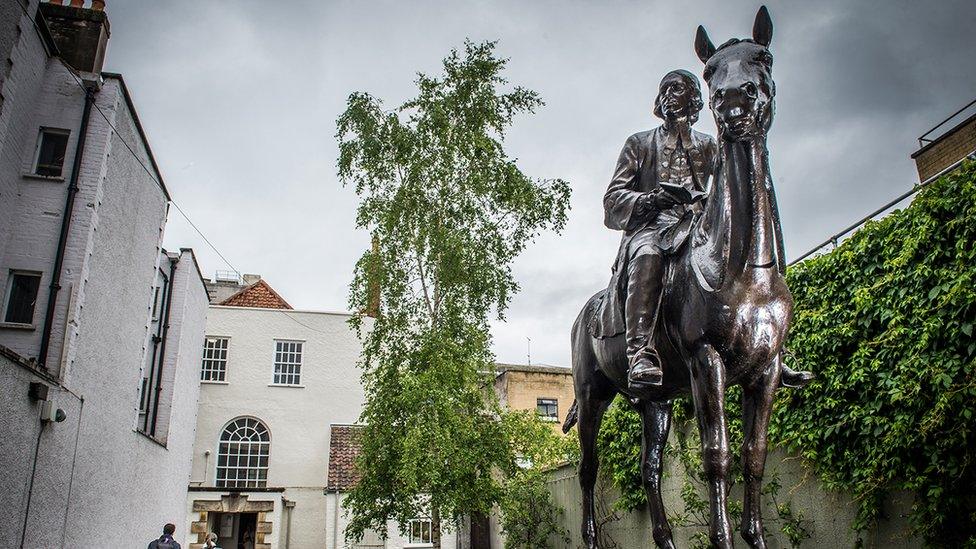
(947, 149)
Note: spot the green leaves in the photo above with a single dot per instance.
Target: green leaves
(449, 212)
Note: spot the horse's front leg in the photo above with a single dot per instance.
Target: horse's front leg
(708, 391)
(656, 421)
(590, 417)
(757, 404)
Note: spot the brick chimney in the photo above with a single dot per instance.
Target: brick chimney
(80, 33)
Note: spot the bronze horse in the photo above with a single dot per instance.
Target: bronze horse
(725, 310)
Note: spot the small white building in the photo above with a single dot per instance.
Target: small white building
(101, 329)
(276, 383)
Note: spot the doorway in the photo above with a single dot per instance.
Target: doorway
(234, 530)
(480, 531)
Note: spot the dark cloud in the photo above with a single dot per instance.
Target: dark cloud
(240, 100)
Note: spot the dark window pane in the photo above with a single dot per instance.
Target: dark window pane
(22, 298)
(50, 159)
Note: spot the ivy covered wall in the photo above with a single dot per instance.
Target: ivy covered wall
(886, 322)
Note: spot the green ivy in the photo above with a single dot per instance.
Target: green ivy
(886, 322)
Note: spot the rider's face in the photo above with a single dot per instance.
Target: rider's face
(676, 97)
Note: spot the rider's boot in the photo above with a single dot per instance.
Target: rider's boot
(641, 312)
(794, 378)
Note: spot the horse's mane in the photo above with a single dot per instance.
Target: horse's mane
(734, 41)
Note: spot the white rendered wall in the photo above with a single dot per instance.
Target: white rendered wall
(297, 417)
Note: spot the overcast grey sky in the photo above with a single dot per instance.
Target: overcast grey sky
(239, 100)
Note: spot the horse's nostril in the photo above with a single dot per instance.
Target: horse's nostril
(750, 90)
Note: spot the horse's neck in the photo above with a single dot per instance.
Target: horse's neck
(760, 248)
(736, 230)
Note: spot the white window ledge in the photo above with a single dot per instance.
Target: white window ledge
(286, 385)
(213, 382)
(52, 178)
(549, 418)
(16, 326)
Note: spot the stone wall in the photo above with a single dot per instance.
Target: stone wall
(519, 387)
(827, 516)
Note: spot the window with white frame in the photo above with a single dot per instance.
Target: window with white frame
(51, 146)
(420, 531)
(288, 362)
(214, 359)
(547, 408)
(242, 458)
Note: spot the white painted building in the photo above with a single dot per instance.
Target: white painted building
(100, 328)
(275, 384)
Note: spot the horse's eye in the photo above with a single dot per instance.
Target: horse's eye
(750, 89)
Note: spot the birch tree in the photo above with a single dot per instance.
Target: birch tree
(449, 211)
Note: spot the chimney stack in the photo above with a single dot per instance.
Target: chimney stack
(80, 33)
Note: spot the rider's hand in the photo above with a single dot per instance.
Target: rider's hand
(658, 199)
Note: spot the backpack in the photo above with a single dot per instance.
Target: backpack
(165, 543)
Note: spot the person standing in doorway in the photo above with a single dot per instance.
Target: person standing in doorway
(247, 542)
(166, 540)
(211, 541)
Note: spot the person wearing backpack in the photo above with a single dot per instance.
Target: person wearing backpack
(166, 540)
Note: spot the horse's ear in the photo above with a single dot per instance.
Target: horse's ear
(703, 46)
(762, 30)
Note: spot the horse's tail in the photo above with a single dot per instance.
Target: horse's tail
(571, 417)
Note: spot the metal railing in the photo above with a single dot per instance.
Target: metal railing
(923, 139)
(227, 276)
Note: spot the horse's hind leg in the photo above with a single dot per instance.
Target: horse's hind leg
(590, 417)
(656, 422)
(708, 391)
(757, 403)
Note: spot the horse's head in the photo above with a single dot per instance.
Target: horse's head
(740, 82)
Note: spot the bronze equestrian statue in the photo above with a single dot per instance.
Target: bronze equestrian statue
(724, 305)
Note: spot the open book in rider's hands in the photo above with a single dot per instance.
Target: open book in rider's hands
(682, 194)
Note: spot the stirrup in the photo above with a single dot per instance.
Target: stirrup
(652, 375)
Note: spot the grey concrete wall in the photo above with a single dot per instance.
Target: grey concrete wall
(21, 433)
(827, 515)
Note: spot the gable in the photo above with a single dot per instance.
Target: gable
(259, 295)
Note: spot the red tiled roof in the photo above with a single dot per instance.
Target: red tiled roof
(344, 449)
(259, 295)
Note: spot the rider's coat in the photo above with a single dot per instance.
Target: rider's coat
(647, 159)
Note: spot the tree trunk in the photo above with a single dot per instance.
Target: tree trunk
(435, 529)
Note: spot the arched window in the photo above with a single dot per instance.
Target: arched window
(242, 460)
